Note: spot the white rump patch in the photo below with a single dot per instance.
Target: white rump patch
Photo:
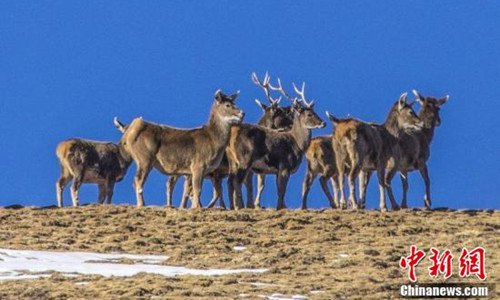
(29, 264)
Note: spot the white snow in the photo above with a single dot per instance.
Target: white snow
(30, 264)
(343, 255)
(239, 248)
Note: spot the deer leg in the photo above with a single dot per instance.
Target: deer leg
(217, 192)
(102, 193)
(61, 183)
(335, 183)
(249, 186)
(323, 180)
(364, 179)
(261, 183)
(197, 182)
(75, 187)
(140, 177)
(282, 181)
(186, 192)
(425, 175)
(351, 180)
(381, 186)
(110, 186)
(220, 192)
(388, 180)
(171, 182)
(238, 181)
(306, 186)
(404, 181)
(230, 190)
(341, 177)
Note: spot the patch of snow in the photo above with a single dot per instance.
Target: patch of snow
(343, 255)
(82, 283)
(239, 248)
(244, 295)
(30, 264)
(316, 292)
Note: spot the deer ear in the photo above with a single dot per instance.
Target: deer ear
(402, 100)
(332, 118)
(417, 94)
(119, 125)
(234, 96)
(218, 95)
(443, 100)
(260, 104)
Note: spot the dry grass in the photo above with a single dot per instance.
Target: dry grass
(341, 253)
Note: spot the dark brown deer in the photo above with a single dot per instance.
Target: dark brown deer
(274, 117)
(321, 161)
(195, 152)
(416, 146)
(268, 151)
(367, 147)
(85, 161)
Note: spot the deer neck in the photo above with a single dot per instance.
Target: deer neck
(125, 157)
(301, 134)
(392, 126)
(218, 130)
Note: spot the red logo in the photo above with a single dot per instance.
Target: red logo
(470, 263)
(440, 264)
(410, 262)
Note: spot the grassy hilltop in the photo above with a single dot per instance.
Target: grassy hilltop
(339, 253)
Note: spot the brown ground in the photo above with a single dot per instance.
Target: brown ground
(341, 253)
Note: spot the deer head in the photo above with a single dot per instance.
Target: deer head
(275, 116)
(430, 107)
(305, 113)
(225, 109)
(403, 116)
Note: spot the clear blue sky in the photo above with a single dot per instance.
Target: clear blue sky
(68, 67)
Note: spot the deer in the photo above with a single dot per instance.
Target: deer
(320, 158)
(273, 116)
(366, 147)
(172, 151)
(416, 145)
(87, 161)
(267, 151)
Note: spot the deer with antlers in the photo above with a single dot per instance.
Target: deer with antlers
(195, 152)
(274, 117)
(267, 151)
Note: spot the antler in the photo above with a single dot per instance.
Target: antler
(281, 90)
(265, 87)
(302, 95)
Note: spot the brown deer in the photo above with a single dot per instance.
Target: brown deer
(321, 161)
(267, 151)
(367, 147)
(195, 152)
(416, 146)
(274, 116)
(85, 161)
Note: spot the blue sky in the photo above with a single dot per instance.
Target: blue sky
(68, 67)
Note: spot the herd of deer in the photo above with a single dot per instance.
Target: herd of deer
(225, 147)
